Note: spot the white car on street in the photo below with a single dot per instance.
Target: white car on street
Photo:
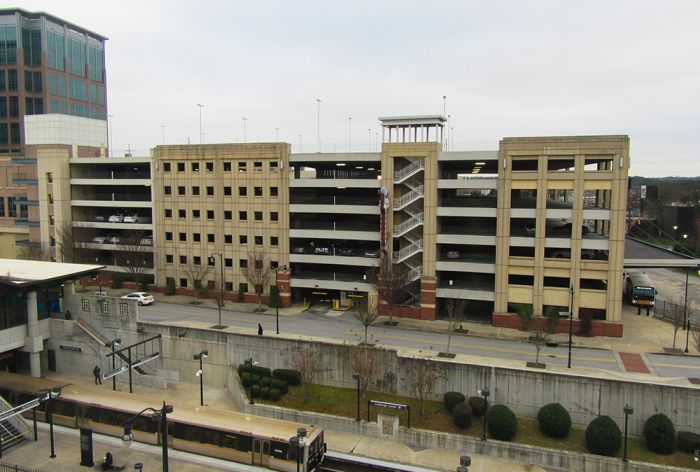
(142, 298)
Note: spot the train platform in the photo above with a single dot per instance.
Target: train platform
(36, 455)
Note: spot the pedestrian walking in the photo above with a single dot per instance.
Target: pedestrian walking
(260, 329)
(96, 372)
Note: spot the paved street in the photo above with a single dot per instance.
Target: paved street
(344, 326)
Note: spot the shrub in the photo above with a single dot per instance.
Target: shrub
(603, 436)
(117, 280)
(280, 385)
(452, 399)
(246, 379)
(502, 423)
(291, 376)
(244, 368)
(255, 390)
(256, 379)
(688, 442)
(241, 294)
(275, 394)
(261, 371)
(170, 286)
(659, 434)
(265, 381)
(265, 392)
(462, 415)
(585, 323)
(478, 405)
(554, 420)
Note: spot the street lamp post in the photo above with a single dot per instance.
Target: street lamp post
(357, 377)
(251, 363)
(628, 411)
(685, 304)
(200, 373)
(47, 396)
(158, 415)
(687, 334)
(221, 283)
(571, 323)
(484, 392)
(114, 377)
(200, 122)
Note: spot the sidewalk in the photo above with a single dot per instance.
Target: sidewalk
(35, 455)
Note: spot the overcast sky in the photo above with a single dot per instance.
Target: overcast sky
(508, 68)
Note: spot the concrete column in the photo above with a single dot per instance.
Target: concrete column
(33, 342)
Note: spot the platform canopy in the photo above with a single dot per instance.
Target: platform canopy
(639, 254)
(24, 273)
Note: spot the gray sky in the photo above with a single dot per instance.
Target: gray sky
(508, 68)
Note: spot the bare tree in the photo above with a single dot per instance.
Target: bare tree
(257, 272)
(421, 378)
(538, 338)
(677, 318)
(367, 312)
(455, 316)
(305, 360)
(696, 338)
(133, 257)
(35, 253)
(195, 274)
(392, 282)
(364, 362)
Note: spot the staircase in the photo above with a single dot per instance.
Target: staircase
(107, 344)
(13, 430)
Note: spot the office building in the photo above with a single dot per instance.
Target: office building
(47, 65)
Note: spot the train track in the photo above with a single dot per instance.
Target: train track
(338, 462)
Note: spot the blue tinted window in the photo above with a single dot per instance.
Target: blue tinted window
(76, 57)
(31, 44)
(97, 94)
(2, 81)
(78, 109)
(11, 80)
(14, 133)
(97, 113)
(8, 44)
(56, 52)
(57, 84)
(4, 135)
(95, 63)
(14, 106)
(3, 107)
(78, 89)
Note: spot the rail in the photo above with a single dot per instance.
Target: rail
(407, 225)
(17, 422)
(403, 200)
(408, 251)
(8, 467)
(666, 310)
(404, 173)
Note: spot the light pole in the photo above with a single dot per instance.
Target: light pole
(109, 132)
(277, 135)
(113, 343)
(484, 392)
(349, 133)
(251, 363)
(571, 323)
(685, 303)
(47, 396)
(301, 147)
(200, 373)
(318, 124)
(162, 127)
(158, 415)
(357, 377)
(245, 136)
(628, 411)
(200, 122)
(369, 139)
(221, 284)
(687, 334)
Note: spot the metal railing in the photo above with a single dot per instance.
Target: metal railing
(408, 251)
(666, 310)
(409, 197)
(7, 467)
(407, 225)
(17, 422)
(408, 171)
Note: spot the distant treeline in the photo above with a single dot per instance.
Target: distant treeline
(673, 189)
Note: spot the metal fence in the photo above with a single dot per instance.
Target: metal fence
(7, 467)
(665, 309)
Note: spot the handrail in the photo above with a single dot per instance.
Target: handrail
(405, 199)
(408, 250)
(408, 224)
(401, 174)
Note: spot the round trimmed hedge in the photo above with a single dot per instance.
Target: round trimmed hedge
(275, 394)
(659, 434)
(280, 385)
(246, 379)
(688, 441)
(554, 420)
(462, 415)
(502, 423)
(452, 399)
(265, 392)
(603, 436)
(478, 405)
(291, 376)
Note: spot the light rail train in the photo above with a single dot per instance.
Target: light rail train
(222, 434)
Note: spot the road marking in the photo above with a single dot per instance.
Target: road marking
(498, 349)
(680, 366)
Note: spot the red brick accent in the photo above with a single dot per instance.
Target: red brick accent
(598, 328)
(283, 281)
(633, 362)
